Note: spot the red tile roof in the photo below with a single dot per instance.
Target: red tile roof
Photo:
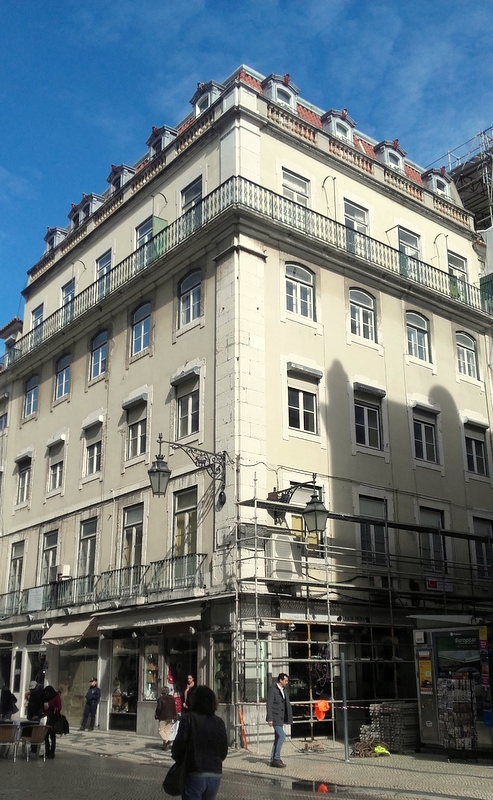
(309, 116)
(244, 76)
(365, 147)
(413, 174)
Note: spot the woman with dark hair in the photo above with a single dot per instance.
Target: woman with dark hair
(202, 744)
(52, 709)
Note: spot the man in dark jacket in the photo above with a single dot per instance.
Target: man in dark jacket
(166, 714)
(279, 713)
(92, 699)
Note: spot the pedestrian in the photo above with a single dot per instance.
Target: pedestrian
(188, 693)
(166, 714)
(35, 700)
(52, 708)
(93, 697)
(8, 704)
(202, 743)
(279, 713)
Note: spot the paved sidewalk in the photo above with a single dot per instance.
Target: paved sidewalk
(410, 777)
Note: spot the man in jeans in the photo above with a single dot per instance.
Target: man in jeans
(279, 713)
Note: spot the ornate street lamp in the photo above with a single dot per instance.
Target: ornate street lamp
(159, 473)
(315, 515)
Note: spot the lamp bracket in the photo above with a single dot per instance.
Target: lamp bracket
(213, 463)
(285, 495)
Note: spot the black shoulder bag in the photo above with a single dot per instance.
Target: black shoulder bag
(175, 777)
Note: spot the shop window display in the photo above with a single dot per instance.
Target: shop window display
(125, 670)
(151, 670)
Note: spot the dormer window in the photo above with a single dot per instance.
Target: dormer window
(339, 124)
(53, 237)
(119, 176)
(205, 96)
(438, 181)
(281, 89)
(391, 154)
(159, 139)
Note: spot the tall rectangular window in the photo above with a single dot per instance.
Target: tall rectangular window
(299, 291)
(483, 548)
(373, 543)
(302, 409)
(475, 439)
(133, 518)
(191, 206)
(87, 548)
(31, 396)
(68, 295)
(55, 466)
(185, 536)
(362, 310)
(92, 455)
(432, 543)
(16, 567)
(294, 187)
(409, 251)
(136, 430)
(4, 418)
(187, 394)
(367, 417)
(143, 237)
(36, 324)
(425, 436)
(103, 277)
(356, 222)
(23, 480)
(48, 555)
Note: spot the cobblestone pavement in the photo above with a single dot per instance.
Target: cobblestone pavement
(407, 777)
(123, 765)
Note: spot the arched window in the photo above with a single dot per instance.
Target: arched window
(467, 362)
(299, 291)
(99, 354)
(362, 308)
(189, 296)
(31, 396)
(141, 328)
(418, 338)
(62, 378)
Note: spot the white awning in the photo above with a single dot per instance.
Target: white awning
(164, 616)
(61, 633)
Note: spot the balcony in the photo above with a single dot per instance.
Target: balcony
(240, 193)
(124, 585)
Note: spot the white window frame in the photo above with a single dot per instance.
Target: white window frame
(56, 457)
(418, 337)
(362, 310)
(103, 276)
(137, 430)
(93, 450)
(143, 237)
(24, 477)
(132, 536)
(31, 396)
(409, 246)
(141, 329)
(369, 423)
(376, 555)
(16, 568)
(68, 296)
(62, 376)
(37, 316)
(49, 554)
(425, 420)
(476, 450)
(86, 556)
(436, 545)
(483, 549)
(190, 298)
(98, 362)
(300, 291)
(187, 409)
(295, 187)
(191, 205)
(302, 401)
(467, 355)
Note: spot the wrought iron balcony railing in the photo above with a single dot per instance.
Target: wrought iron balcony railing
(241, 193)
(179, 572)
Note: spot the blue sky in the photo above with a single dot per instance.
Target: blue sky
(81, 84)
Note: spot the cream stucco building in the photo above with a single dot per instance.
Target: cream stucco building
(304, 304)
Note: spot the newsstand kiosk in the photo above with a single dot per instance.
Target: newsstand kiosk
(454, 668)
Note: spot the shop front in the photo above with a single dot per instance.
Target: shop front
(454, 668)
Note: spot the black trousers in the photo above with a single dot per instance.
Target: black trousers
(50, 742)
